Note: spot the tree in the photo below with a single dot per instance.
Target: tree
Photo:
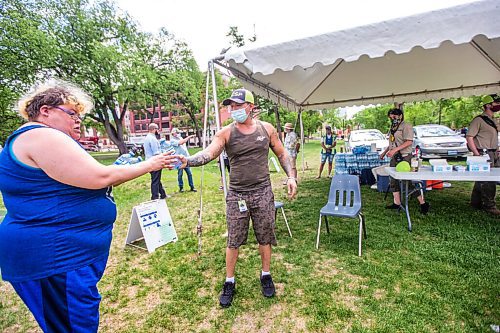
(374, 117)
(97, 47)
(24, 52)
(311, 121)
(238, 39)
(10, 120)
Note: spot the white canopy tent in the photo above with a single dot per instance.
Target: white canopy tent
(445, 53)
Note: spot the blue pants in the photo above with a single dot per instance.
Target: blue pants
(190, 178)
(66, 302)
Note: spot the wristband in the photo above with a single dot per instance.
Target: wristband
(292, 178)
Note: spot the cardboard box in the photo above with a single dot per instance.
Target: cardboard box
(440, 165)
(478, 163)
(479, 167)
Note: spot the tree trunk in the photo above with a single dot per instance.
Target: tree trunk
(115, 137)
(196, 127)
(278, 122)
(114, 132)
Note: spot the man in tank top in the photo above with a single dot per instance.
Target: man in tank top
(247, 142)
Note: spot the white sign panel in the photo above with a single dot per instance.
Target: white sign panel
(275, 163)
(152, 221)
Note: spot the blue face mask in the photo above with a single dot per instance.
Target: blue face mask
(239, 115)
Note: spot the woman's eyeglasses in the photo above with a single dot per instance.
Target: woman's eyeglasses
(72, 114)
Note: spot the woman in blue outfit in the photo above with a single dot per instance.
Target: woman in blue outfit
(56, 235)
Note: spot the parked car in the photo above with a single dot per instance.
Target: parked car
(136, 148)
(89, 145)
(438, 141)
(367, 137)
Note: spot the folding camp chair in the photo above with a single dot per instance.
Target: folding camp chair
(344, 200)
(278, 205)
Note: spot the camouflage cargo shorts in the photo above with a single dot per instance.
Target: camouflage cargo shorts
(260, 205)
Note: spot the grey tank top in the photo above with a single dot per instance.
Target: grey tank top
(248, 159)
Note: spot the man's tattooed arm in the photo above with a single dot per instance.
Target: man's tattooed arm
(285, 163)
(280, 152)
(209, 153)
(200, 158)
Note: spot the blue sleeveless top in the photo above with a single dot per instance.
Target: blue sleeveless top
(50, 227)
(328, 141)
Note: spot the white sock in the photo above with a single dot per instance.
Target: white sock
(265, 273)
(230, 279)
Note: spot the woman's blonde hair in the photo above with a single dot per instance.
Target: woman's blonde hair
(52, 93)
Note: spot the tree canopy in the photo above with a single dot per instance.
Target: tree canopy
(454, 113)
(99, 47)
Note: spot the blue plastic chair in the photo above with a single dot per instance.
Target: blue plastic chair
(278, 205)
(344, 200)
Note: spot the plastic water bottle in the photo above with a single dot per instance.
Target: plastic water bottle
(123, 159)
(126, 159)
(177, 162)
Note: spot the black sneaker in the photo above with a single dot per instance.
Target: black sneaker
(181, 190)
(393, 206)
(226, 297)
(266, 282)
(193, 190)
(424, 208)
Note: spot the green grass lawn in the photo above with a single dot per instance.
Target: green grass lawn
(442, 277)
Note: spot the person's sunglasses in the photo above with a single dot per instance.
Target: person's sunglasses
(72, 114)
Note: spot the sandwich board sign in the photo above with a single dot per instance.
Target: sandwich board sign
(275, 163)
(152, 222)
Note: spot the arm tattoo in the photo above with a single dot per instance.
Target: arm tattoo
(208, 154)
(285, 164)
(198, 159)
(273, 138)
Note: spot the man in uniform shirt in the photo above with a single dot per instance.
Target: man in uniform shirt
(399, 149)
(482, 138)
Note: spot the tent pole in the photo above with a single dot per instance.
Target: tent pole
(302, 140)
(199, 227)
(218, 124)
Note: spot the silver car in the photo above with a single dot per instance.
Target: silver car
(367, 137)
(438, 141)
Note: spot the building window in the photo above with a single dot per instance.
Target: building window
(137, 116)
(164, 114)
(144, 127)
(165, 125)
(137, 127)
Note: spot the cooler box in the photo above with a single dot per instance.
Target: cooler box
(435, 184)
(382, 183)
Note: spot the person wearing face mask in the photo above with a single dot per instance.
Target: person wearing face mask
(482, 138)
(152, 148)
(399, 149)
(247, 142)
(180, 147)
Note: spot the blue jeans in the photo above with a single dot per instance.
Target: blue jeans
(190, 178)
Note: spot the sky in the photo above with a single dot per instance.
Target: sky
(203, 24)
